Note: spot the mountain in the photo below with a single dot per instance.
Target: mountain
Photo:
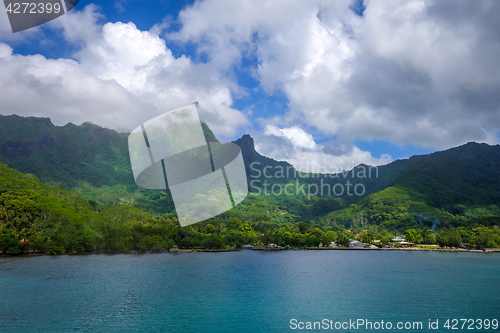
(35, 217)
(65, 155)
(94, 162)
(372, 178)
(81, 196)
(465, 175)
(88, 158)
(35, 213)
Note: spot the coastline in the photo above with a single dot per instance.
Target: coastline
(173, 251)
(496, 250)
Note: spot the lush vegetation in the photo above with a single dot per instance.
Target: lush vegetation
(83, 198)
(38, 218)
(89, 159)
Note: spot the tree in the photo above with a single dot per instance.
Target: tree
(448, 238)
(304, 227)
(483, 238)
(328, 237)
(366, 237)
(214, 242)
(9, 243)
(412, 236)
(234, 223)
(425, 234)
(343, 240)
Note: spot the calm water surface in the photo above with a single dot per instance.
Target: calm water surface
(244, 291)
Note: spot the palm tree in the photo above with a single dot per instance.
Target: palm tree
(425, 233)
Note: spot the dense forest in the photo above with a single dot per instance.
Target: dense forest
(74, 192)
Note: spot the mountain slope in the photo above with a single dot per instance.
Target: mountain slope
(34, 211)
(465, 175)
(88, 158)
(94, 161)
(66, 154)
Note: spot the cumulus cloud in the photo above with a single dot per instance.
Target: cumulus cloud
(80, 26)
(298, 147)
(60, 89)
(418, 72)
(119, 78)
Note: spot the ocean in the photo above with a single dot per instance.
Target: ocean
(251, 291)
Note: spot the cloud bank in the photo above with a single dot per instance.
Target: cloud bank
(119, 78)
(419, 72)
(416, 72)
(298, 147)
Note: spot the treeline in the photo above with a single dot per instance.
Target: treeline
(124, 230)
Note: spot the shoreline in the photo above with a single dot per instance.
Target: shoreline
(411, 249)
(173, 251)
(496, 250)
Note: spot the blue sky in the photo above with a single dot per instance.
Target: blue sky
(315, 83)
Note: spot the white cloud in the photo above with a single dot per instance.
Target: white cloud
(80, 26)
(60, 89)
(298, 147)
(120, 5)
(418, 72)
(421, 72)
(121, 77)
(298, 137)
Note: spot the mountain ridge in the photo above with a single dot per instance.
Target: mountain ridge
(90, 158)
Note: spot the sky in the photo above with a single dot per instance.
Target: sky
(316, 83)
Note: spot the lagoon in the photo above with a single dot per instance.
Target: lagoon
(245, 291)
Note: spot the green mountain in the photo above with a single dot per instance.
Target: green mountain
(76, 193)
(94, 162)
(466, 175)
(51, 220)
(87, 158)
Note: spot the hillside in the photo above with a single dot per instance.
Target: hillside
(35, 218)
(93, 161)
(467, 175)
(85, 198)
(47, 219)
(64, 155)
(89, 159)
(68, 155)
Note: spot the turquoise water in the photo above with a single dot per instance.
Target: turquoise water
(245, 291)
